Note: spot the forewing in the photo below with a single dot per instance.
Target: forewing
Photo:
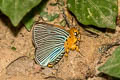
(49, 42)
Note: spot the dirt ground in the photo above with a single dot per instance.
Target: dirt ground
(17, 50)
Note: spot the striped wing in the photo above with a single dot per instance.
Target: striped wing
(49, 43)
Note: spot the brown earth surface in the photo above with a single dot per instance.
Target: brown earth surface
(19, 64)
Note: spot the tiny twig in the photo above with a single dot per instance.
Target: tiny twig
(106, 47)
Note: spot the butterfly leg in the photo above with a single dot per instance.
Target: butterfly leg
(79, 38)
(66, 52)
(50, 65)
(77, 49)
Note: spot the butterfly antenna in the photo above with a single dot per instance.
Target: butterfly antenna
(65, 18)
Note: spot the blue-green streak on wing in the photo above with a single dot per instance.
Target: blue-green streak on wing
(49, 43)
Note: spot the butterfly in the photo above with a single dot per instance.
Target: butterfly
(51, 42)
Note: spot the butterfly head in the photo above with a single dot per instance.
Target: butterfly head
(74, 32)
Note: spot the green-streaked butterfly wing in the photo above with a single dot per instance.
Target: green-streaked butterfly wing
(49, 43)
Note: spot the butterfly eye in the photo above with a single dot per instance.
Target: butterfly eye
(75, 33)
